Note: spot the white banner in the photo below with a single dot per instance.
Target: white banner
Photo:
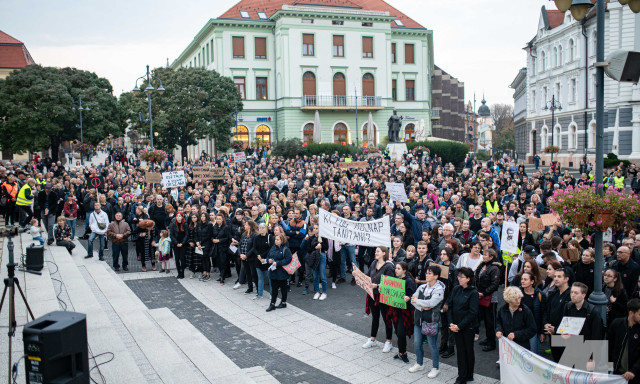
(370, 233)
(239, 157)
(397, 192)
(519, 365)
(173, 179)
(509, 238)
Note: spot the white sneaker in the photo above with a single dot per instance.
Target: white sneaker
(433, 373)
(333, 286)
(369, 344)
(387, 347)
(323, 296)
(476, 337)
(316, 296)
(236, 286)
(416, 368)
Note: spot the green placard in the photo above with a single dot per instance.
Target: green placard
(392, 292)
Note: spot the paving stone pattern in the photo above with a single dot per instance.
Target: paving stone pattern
(245, 350)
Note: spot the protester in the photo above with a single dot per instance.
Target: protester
(463, 321)
(63, 236)
(179, 233)
(98, 221)
(624, 343)
(381, 265)
(487, 276)
(536, 302)
(616, 295)
(118, 232)
(514, 320)
(279, 256)
(402, 319)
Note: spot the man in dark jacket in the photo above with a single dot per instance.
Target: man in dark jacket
(624, 343)
(118, 232)
(88, 203)
(158, 214)
(555, 307)
(418, 222)
(48, 201)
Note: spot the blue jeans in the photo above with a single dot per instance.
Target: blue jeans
(320, 273)
(72, 225)
(261, 277)
(349, 250)
(40, 239)
(418, 338)
(534, 344)
(92, 237)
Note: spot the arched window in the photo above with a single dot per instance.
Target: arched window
(368, 89)
(555, 57)
(410, 133)
(309, 88)
(263, 135)
(572, 50)
(557, 138)
(340, 134)
(339, 89)
(573, 137)
(365, 134)
(592, 136)
(545, 137)
(241, 133)
(543, 59)
(307, 133)
(560, 56)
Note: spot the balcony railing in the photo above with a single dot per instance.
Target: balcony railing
(341, 101)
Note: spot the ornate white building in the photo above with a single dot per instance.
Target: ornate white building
(560, 61)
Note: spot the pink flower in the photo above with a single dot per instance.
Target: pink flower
(591, 223)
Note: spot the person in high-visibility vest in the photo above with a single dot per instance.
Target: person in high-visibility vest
(618, 180)
(491, 205)
(10, 190)
(24, 201)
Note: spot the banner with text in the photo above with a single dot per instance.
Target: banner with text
(173, 179)
(369, 233)
(239, 157)
(392, 292)
(519, 365)
(205, 173)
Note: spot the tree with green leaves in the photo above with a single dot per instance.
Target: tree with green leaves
(196, 103)
(36, 101)
(504, 135)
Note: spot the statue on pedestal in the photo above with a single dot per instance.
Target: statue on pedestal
(394, 124)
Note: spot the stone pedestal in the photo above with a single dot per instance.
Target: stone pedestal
(396, 150)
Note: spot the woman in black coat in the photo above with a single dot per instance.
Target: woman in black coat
(221, 238)
(488, 281)
(179, 233)
(397, 253)
(279, 256)
(194, 261)
(462, 313)
(248, 254)
(515, 320)
(204, 234)
(137, 231)
(262, 245)
(616, 295)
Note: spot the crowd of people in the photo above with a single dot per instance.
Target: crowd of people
(252, 225)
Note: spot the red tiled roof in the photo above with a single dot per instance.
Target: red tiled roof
(13, 53)
(272, 6)
(555, 18)
(6, 39)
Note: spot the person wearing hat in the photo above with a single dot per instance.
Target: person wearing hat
(529, 253)
(48, 202)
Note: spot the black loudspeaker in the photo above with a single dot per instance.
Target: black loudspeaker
(35, 257)
(56, 349)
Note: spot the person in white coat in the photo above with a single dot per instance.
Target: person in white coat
(98, 222)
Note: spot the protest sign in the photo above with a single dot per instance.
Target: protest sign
(608, 235)
(509, 242)
(403, 169)
(353, 164)
(444, 270)
(96, 182)
(205, 173)
(536, 225)
(173, 179)
(570, 254)
(549, 219)
(363, 281)
(153, 177)
(368, 233)
(519, 365)
(397, 192)
(239, 157)
(571, 325)
(392, 292)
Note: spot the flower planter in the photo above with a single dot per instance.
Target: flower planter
(604, 220)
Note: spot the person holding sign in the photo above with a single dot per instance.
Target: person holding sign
(380, 266)
(428, 300)
(515, 320)
(403, 318)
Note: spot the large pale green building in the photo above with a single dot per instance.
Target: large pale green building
(335, 63)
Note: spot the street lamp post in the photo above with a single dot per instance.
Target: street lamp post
(553, 105)
(80, 107)
(149, 90)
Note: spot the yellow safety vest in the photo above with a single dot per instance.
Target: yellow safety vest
(489, 209)
(507, 257)
(22, 196)
(619, 182)
(41, 181)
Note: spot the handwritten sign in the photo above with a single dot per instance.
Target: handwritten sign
(204, 173)
(369, 233)
(397, 192)
(570, 254)
(444, 270)
(571, 325)
(173, 179)
(354, 164)
(549, 219)
(392, 292)
(536, 225)
(403, 169)
(363, 281)
(153, 177)
(239, 157)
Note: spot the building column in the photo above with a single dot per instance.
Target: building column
(615, 145)
(635, 138)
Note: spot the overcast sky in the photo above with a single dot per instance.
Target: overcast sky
(477, 41)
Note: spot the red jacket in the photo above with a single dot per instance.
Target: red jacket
(71, 209)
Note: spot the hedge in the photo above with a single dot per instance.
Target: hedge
(450, 151)
(612, 161)
(328, 149)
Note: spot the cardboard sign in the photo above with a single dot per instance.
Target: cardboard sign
(173, 179)
(444, 271)
(549, 219)
(353, 164)
(536, 225)
(363, 281)
(392, 292)
(402, 169)
(368, 233)
(204, 173)
(239, 157)
(153, 177)
(570, 254)
(397, 192)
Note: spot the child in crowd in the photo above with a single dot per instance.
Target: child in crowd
(36, 231)
(164, 251)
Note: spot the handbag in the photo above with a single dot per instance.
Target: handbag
(293, 266)
(485, 301)
(100, 225)
(429, 329)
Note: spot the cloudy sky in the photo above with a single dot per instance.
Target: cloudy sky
(478, 41)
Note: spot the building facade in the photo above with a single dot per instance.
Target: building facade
(560, 63)
(348, 60)
(519, 86)
(486, 127)
(447, 110)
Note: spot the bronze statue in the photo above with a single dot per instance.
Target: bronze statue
(394, 124)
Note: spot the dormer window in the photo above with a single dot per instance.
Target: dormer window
(245, 14)
(262, 16)
(399, 23)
